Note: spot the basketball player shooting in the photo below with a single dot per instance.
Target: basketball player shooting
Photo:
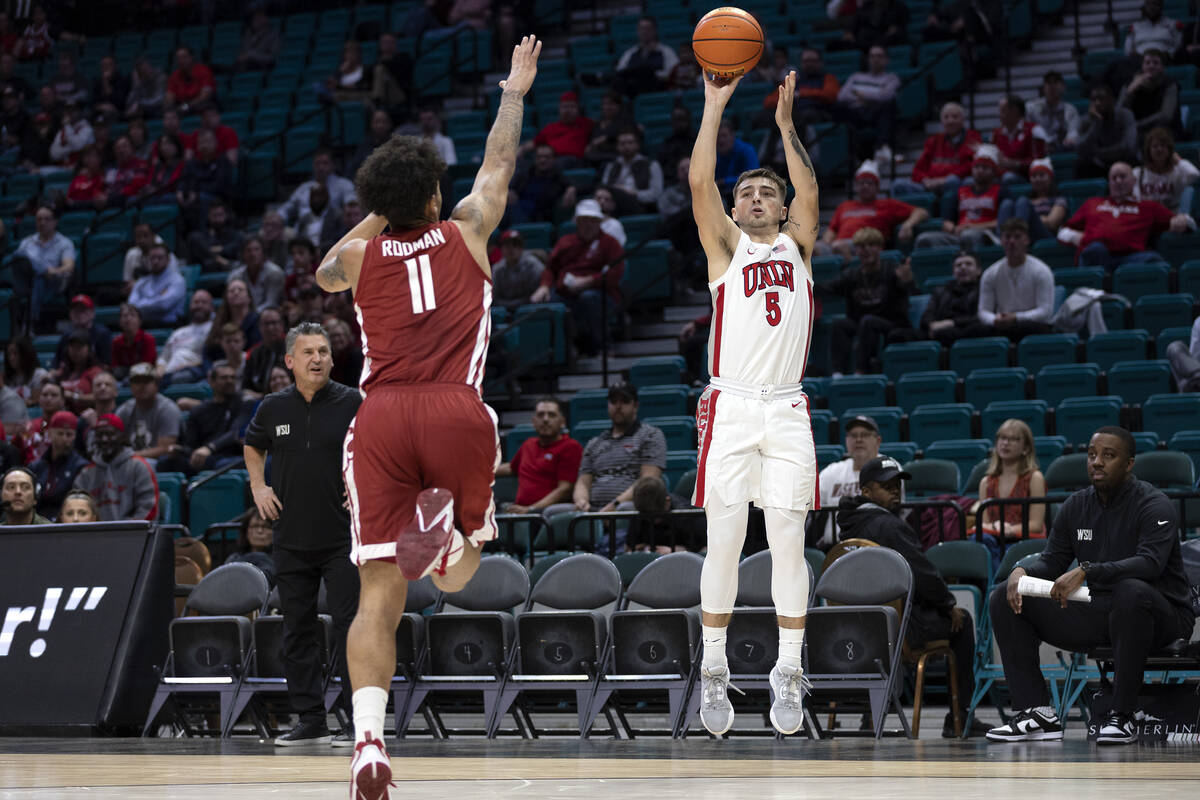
(753, 420)
(420, 457)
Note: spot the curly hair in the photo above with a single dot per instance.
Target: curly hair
(398, 179)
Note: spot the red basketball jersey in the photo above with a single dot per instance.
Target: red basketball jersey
(424, 307)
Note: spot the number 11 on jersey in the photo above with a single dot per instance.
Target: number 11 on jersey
(420, 283)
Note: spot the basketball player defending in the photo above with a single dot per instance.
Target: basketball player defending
(419, 459)
(756, 440)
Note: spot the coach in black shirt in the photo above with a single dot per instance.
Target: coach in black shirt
(1124, 534)
(303, 428)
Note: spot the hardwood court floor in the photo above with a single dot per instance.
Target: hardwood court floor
(645, 769)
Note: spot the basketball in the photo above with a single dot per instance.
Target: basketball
(727, 42)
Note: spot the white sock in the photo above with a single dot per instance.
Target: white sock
(1047, 711)
(714, 647)
(791, 646)
(370, 707)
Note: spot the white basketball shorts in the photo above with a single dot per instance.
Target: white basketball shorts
(756, 444)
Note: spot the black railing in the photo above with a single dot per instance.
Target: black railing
(922, 505)
(1177, 496)
(609, 520)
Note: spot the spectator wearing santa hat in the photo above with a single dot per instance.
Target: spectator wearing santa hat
(1043, 210)
(869, 210)
(122, 483)
(58, 467)
(969, 216)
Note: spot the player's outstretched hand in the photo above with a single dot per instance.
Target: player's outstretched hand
(719, 90)
(524, 65)
(783, 108)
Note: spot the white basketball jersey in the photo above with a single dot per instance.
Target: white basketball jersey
(762, 314)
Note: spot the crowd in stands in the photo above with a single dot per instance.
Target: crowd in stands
(137, 135)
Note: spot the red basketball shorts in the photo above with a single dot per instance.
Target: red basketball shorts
(406, 439)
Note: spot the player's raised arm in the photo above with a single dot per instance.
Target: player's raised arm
(478, 214)
(718, 233)
(802, 223)
(340, 266)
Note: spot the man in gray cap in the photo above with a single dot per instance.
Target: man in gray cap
(875, 515)
(575, 274)
(615, 460)
(840, 479)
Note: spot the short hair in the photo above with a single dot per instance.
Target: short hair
(221, 363)
(951, 104)
(160, 246)
(322, 151)
(762, 172)
(301, 241)
(549, 398)
(305, 329)
(1053, 76)
(649, 493)
(398, 179)
(1015, 225)
(251, 239)
(630, 131)
(1159, 54)
(230, 328)
(134, 308)
(1125, 436)
(1015, 101)
(1101, 87)
(867, 236)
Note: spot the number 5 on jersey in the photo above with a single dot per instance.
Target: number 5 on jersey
(420, 284)
(774, 312)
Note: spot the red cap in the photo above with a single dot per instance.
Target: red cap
(83, 300)
(511, 236)
(105, 420)
(66, 420)
(568, 97)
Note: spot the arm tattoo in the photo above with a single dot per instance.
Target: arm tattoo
(506, 130)
(333, 271)
(794, 141)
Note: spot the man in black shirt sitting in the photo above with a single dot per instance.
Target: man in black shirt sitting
(1124, 534)
(874, 514)
(303, 428)
(210, 438)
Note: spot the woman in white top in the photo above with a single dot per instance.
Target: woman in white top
(1165, 176)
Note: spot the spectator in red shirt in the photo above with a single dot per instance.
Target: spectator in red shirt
(946, 160)
(969, 215)
(545, 465)
(574, 271)
(191, 85)
(1018, 139)
(868, 210)
(227, 138)
(126, 179)
(132, 345)
(88, 188)
(36, 41)
(1114, 230)
(568, 135)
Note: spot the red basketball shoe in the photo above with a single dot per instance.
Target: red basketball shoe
(427, 543)
(370, 771)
